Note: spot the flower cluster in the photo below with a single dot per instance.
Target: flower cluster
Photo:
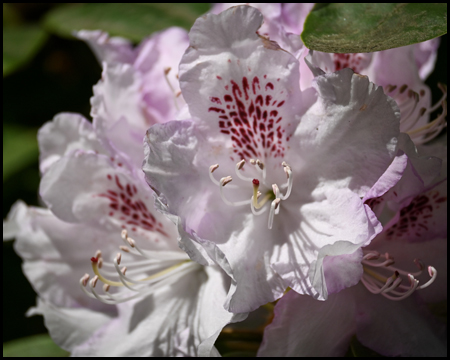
(270, 173)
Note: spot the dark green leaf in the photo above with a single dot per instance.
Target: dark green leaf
(20, 149)
(352, 28)
(33, 346)
(20, 44)
(132, 21)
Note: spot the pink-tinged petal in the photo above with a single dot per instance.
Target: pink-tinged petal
(425, 218)
(118, 98)
(92, 189)
(294, 15)
(303, 326)
(63, 135)
(157, 62)
(425, 54)
(56, 254)
(337, 225)
(12, 224)
(212, 316)
(397, 328)
(108, 49)
(390, 178)
(69, 327)
(341, 271)
(355, 112)
(240, 87)
(419, 174)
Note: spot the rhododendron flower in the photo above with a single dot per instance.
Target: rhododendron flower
(140, 295)
(267, 180)
(139, 86)
(400, 71)
(386, 309)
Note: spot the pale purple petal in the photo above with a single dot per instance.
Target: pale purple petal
(63, 135)
(93, 189)
(303, 326)
(69, 327)
(397, 328)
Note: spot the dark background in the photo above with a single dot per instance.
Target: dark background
(60, 79)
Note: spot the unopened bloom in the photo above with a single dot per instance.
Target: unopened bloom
(265, 177)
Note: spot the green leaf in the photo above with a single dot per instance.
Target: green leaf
(20, 149)
(358, 27)
(33, 346)
(20, 44)
(132, 21)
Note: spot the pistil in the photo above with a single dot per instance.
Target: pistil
(256, 201)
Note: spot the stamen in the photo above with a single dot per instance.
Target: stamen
(140, 285)
(430, 130)
(224, 181)
(166, 73)
(238, 167)
(391, 287)
(256, 202)
(273, 208)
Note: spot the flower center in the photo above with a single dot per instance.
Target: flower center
(257, 201)
(157, 269)
(391, 287)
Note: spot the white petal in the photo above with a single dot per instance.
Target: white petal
(63, 135)
(69, 327)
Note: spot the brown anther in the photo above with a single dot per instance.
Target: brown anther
(275, 189)
(225, 180)
(167, 70)
(422, 111)
(213, 168)
(260, 164)
(124, 234)
(118, 258)
(98, 254)
(277, 202)
(178, 94)
(100, 263)
(403, 88)
(131, 242)
(240, 164)
(106, 287)
(422, 92)
(123, 270)
(94, 281)
(85, 279)
(419, 264)
(252, 161)
(124, 248)
(391, 88)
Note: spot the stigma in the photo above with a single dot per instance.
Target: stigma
(146, 272)
(391, 287)
(257, 200)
